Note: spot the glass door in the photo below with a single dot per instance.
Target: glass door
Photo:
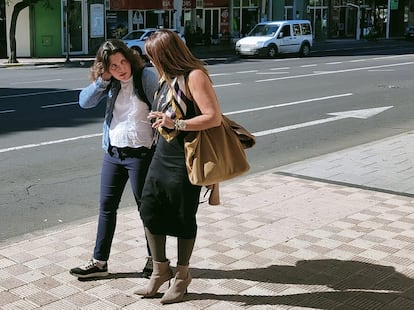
(318, 17)
(212, 23)
(73, 22)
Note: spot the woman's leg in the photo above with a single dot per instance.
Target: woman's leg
(182, 277)
(185, 249)
(157, 246)
(137, 171)
(113, 179)
(162, 271)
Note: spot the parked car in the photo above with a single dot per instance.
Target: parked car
(136, 39)
(409, 32)
(277, 37)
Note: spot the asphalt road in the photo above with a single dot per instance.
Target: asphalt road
(50, 153)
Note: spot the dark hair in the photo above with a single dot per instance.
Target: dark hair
(170, 55)
(111, 47)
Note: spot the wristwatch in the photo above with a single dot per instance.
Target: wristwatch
(179, 124)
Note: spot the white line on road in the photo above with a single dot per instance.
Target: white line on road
(382, 70)
(249, 71)
(289, 103)
(267, 73)
(7, 111)
(39, 93)
(334, 72)
(37, 81)
(58, 105)
(219, 74)
(28, 146)
(361, 114)
(224, 85)
(282, 68)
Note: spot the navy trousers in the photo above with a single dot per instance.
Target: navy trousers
(119, 165)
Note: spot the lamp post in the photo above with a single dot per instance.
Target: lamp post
(358, 27)
(387, 35)
(67, 31)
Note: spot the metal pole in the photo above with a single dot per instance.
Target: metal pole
(387, 35)
(270, 10)
(294, 10)
(67, 32)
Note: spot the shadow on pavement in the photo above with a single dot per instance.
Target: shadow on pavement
(348, 283)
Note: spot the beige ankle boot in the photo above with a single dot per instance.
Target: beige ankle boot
(177, 290)
(161, 273)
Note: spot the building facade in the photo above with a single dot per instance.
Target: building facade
(82, 25)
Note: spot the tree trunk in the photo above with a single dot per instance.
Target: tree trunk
(13, 23)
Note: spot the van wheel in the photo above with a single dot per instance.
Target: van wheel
(272, 51)
(304, 50)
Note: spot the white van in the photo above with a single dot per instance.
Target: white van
(277, 37)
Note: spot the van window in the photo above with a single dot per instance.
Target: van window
(296, 29)
(263, 30)
(306, 29)
(286, 31)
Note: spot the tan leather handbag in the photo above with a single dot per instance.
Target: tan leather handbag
(217, 154)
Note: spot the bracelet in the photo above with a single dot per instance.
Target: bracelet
(179, 124)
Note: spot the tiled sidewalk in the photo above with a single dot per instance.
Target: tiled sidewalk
(276, 242)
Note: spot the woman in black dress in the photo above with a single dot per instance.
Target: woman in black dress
(169, 200)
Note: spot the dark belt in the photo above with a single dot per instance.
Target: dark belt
(128, 152)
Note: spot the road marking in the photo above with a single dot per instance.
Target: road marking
(249, 71)
(394, 56)
(382, 70)
(310, 65)
(282, 68)
(361, 114)
(224, 85)
(335, 72)
(39, 93)
(7, 111)
(37, 81)
(219, 74)
(267, 73)
(58, 105)
(289, 103)
(28, 146)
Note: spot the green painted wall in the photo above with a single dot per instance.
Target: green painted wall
(46, 30)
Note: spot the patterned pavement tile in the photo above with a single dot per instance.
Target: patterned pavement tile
(275, 242)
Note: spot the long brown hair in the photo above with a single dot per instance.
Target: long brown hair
(111, 47)
(170, 55)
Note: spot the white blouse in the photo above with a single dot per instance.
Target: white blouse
(130, 126)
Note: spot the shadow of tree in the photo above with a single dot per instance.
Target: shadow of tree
(350, 285)
(31, 112)
(352, 300)
(336, 274)
(118, 275)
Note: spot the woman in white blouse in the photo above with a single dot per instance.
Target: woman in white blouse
(119, 79)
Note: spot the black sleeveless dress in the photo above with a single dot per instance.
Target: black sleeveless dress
(169, 201)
